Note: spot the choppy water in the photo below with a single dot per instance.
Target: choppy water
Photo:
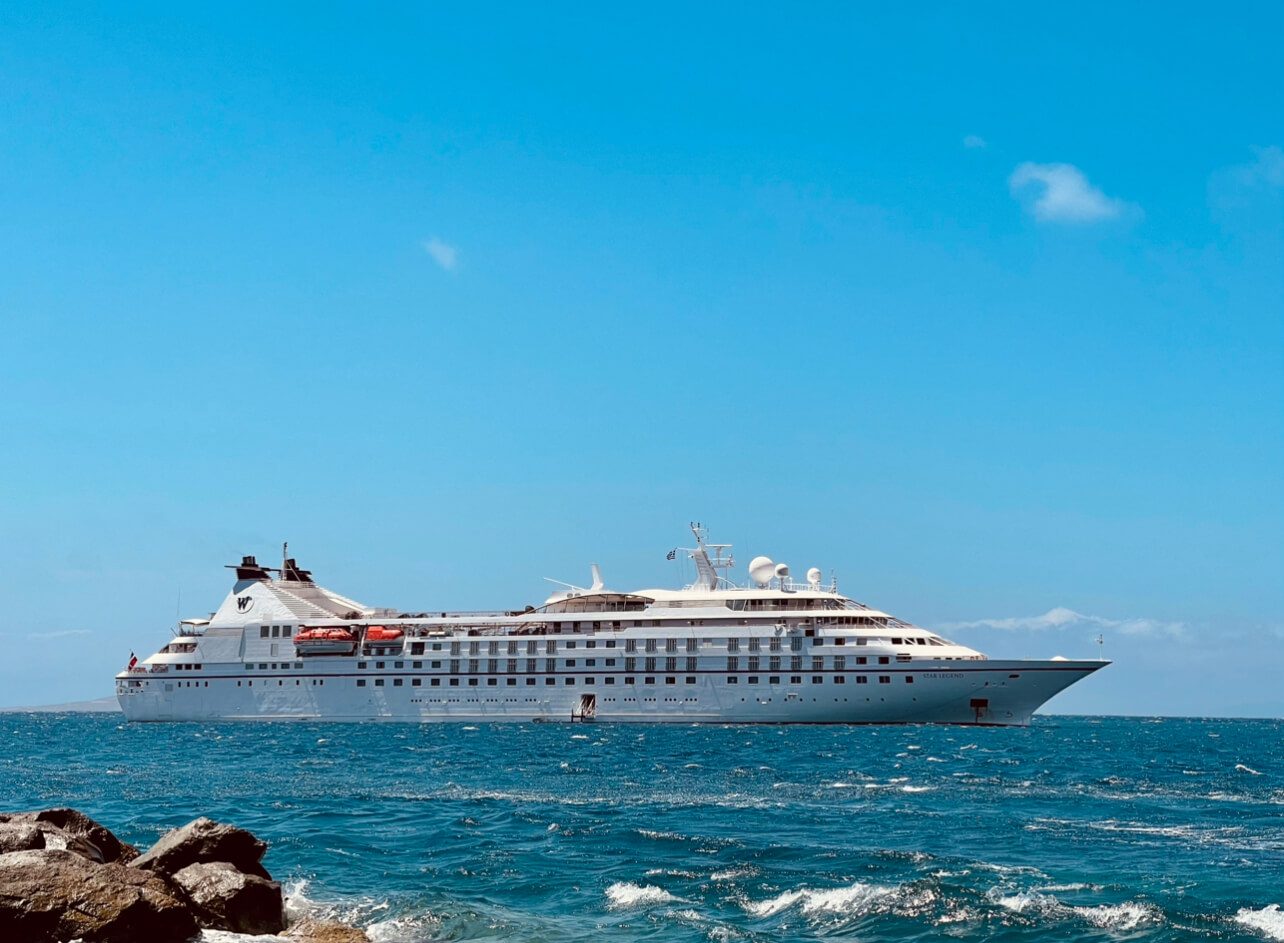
(1074, 829)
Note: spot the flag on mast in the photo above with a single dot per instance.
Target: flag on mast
(672, 554)
(133, 660)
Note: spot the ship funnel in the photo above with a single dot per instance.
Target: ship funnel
(249, 569)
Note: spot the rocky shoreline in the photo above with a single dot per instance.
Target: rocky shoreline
(65, 877)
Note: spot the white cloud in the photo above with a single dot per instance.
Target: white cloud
(1064, 194)
(1061, 617)
(444, 255)
(974, 140)
(1266, 169)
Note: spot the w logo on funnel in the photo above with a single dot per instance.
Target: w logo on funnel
(244, 603)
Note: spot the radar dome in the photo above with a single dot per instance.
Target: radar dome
(782, 570)
(813, 577)
(761, 570)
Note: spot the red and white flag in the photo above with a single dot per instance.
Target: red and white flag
(133, 660)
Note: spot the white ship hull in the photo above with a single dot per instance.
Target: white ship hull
(940, 694)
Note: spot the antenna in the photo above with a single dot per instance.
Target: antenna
(285, 554)
(1101, 647)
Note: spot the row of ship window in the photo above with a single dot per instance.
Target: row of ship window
(570, 682)
(671, 645)
(630, 645)
(668, 679)
(510, 666)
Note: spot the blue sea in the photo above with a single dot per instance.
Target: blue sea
(1073, 829)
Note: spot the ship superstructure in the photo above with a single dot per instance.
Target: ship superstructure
(774, 650)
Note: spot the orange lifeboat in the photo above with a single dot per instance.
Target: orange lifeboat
(380, 633)
(323, 641)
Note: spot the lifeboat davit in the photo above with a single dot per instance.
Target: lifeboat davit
(323, 641)
(380, 633)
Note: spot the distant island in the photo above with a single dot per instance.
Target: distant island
(102, 705)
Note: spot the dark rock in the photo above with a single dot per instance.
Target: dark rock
(225, 899)
(308, 930)
(57, 895)
(200, 842)
(61, 826)
(20, 836)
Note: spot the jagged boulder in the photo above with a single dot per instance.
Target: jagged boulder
(200, 842)
(50, 894)
(20, 836)
(308, 930)
(225, 899)
(74, 831)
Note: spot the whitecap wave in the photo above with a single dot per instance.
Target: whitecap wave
(624, 895)
(852, 900)
(1269, 921)
(1126, 916)
(1123, 916)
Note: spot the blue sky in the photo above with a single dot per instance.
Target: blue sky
(979, 308)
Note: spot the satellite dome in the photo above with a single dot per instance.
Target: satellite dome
(813, 577)
(782, 571)
(761, 570)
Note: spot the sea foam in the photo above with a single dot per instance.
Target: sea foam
(624, 895)
(1269, 921)
(855, 899)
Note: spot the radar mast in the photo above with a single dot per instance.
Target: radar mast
(707, 570)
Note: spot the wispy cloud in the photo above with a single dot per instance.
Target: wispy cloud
(974, 140)
(1061, 617)
(65, 633)
(1265, 169)
(1061, 193)
(1245, 185)
(444, 255)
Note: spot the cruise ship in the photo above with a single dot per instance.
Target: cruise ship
(774, 650)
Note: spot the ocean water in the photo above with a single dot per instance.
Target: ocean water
(1072, 829)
